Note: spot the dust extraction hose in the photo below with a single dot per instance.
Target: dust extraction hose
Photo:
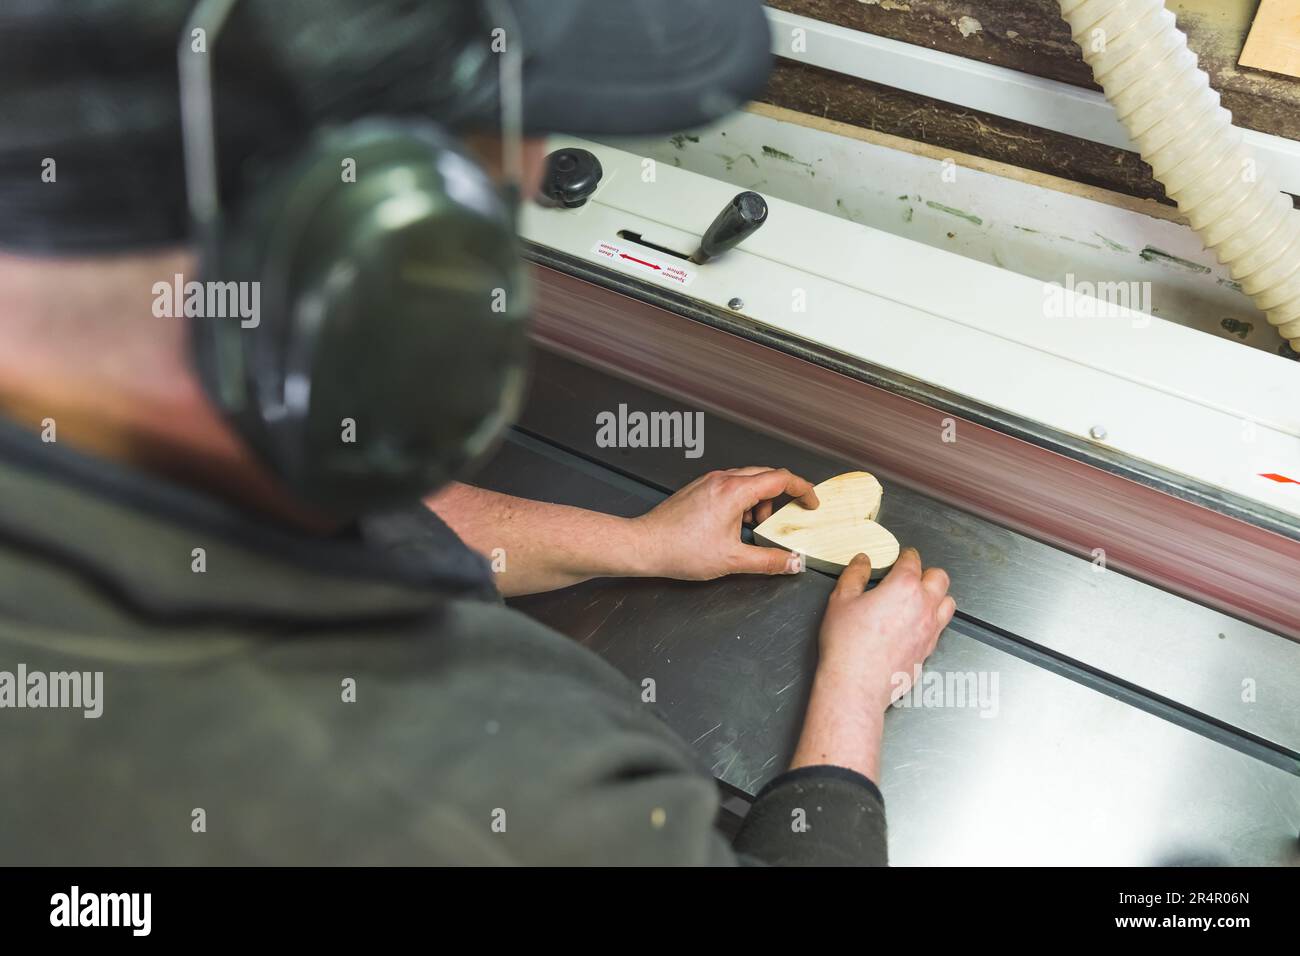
(1141, 59)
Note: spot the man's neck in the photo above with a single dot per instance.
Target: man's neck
(82, 357)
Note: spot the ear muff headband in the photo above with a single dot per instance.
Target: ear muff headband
(389, 348)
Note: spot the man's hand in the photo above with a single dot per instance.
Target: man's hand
(881, 636)
(695, 534)
(872, 643)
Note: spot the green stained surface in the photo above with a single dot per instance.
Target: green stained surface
(1152, 254)
(1238, 328)
(731, 161)
(781, 154)
(959, 213)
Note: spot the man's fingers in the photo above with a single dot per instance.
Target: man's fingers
(762, 511)
(909, 562)
(755, 560)
(935, 583)
(754, 516)
(947, 608)
(853, 579)
(769, 484)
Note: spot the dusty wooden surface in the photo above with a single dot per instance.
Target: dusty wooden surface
(883, 109)
(1146, 207)
(1026, 35)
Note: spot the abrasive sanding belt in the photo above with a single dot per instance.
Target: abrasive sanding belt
(92, 85)
(1209, 557)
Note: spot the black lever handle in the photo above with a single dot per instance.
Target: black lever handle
(571, 176)
(738, 220)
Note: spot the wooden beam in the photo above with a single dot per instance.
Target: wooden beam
(1147, 207)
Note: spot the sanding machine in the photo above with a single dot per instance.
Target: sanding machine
(1051, 383)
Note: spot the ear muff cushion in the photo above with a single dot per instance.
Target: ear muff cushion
(390, 349)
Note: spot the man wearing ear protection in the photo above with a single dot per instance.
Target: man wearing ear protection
(242, 637)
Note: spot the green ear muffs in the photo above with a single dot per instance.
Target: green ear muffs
(388, 350)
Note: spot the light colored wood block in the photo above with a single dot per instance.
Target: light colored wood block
(843, 524)
(1274, 41)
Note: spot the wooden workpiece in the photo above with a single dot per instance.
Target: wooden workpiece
(1274, 41)
(841, 526)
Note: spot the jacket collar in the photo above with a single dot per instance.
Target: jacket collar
(175, 553)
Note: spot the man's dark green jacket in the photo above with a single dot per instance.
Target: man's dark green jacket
(273, 697)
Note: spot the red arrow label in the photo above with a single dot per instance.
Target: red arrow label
(672, 273)
(1281, 478)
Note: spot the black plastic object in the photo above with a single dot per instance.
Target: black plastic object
(572, 175)
(738, 220)
(389, 350)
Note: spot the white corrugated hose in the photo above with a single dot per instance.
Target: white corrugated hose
(1141, 59)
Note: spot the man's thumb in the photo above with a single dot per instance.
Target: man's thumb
(755, 560)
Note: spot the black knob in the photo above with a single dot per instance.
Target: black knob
(572, 175)
(738, 220)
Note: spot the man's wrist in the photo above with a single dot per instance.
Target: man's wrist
(844, 725)
(856, 673)
(633, 550)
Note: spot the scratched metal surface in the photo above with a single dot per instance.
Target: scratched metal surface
(728, 658)
(1040, 770)
(1196, 656)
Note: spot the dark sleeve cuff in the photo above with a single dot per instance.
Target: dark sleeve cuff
(816, 816)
